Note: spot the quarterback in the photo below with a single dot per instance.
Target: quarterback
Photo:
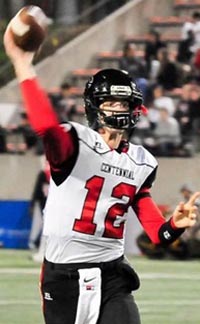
(96, 176)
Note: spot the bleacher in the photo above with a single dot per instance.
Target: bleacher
(169, 28)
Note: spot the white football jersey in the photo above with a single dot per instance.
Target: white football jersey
(85, 215)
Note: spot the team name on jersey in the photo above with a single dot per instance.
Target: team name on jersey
(117, 171)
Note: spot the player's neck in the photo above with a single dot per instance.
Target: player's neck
(111, 137)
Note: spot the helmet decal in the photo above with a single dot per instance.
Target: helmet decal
(117, 90)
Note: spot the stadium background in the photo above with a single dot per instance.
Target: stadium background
(79, 32)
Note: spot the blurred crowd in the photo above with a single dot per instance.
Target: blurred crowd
(18, 138)
(170, 82)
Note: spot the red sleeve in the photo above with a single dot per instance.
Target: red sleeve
(149, 215)
(38, 107)
(59, 143)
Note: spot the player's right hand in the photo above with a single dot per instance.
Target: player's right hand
(16, 54)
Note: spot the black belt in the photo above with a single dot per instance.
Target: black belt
(75, 266)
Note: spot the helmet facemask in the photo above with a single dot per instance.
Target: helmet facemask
(118, 119)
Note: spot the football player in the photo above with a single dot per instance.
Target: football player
(96, 176)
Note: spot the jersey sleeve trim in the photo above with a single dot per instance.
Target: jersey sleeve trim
(140, 195)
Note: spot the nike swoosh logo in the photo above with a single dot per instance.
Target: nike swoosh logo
(88, 280)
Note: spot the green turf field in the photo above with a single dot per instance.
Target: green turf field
(169, 292)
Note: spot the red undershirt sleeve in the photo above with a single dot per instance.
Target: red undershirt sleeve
(148, 214)
(157, 228)
(60, 144)
(38, 107)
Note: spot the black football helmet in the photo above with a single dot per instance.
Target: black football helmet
(108, 85)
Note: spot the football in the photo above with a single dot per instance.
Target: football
(29, 28)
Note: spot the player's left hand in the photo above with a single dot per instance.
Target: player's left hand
(185, 214)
